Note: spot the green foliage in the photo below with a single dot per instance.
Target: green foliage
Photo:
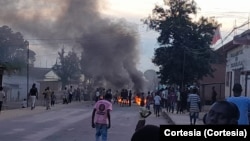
(184, 55)
(69, 67)
(13, 54)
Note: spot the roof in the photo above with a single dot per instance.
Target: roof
(51, 76)
(35, 72)
(38, 72)
(227, 47)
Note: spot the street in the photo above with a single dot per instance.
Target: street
(71, 123)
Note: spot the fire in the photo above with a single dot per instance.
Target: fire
(120, 100)
(138, 100)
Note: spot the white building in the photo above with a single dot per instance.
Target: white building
(238, 64)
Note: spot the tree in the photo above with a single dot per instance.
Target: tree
(13, 54)
(184, 55)
(69, 67)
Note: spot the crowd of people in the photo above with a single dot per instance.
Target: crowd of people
(49, 97)
(170, 99)
(233, 110)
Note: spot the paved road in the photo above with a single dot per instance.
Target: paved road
(69, 123)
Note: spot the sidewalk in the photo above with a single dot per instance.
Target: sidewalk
(13, 113)
(183, 119)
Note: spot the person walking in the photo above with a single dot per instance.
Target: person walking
(2, 96)
(178, 102)
(242, 102)
(214, 95)
(171, 99)
(33, 95)
(53, 98)
(193, 105)
(48, 94)
(65, 96)
(101, 118)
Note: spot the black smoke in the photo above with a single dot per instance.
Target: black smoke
(109, 47)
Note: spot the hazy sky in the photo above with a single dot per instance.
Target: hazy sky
(229, 13)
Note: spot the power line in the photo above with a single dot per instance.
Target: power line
(235, 28)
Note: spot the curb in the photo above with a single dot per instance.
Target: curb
(168, 118)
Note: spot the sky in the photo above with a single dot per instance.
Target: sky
(229, 13)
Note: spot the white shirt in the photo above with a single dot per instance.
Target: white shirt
(165, 94)
(97, 93)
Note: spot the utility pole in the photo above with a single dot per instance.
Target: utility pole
(183, 69)
(1, 74)
(28, 74)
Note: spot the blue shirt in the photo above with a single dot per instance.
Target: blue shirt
(243, 104)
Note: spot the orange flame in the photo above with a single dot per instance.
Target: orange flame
(120, 100)
(138, 100)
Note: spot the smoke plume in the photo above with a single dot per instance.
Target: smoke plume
(109, 47)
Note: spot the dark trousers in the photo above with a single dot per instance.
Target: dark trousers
(70, 98)
(164, 103)
(65, 101)
(52, 102)
(157, 110)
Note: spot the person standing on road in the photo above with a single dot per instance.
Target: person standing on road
(53, 98)
(242, 102)
(48, 94)
(101, 118)
(130, 97)
(157, 104)
(33, 95)
(97, 94)
(70, 91)
(194, 105)
(164, 96)
(65, 96)
(2, 96)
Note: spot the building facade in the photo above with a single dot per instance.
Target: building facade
(238, 64)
